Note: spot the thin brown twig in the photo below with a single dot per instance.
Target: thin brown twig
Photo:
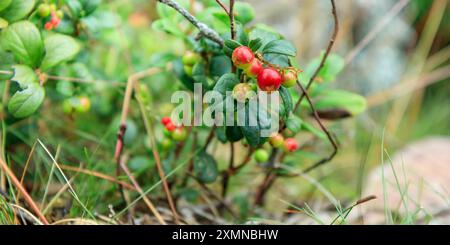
(324, 129)
(97, 174)
(226, 174)
(139, 190)
(162, 175)
(325, 56)
(21, 189)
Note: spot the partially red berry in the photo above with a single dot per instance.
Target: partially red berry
(276, 140)
(55, 20)
(254, 69)
(166, 120)
(242, 57)
(289, 78)
(179, 134)
(290, 145)
(48, 26)
(170, 126)
(269, 79)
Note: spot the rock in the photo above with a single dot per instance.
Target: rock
(422, 170)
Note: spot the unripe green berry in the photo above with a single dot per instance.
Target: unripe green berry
(43, 10)
(179, 134)
(60, 14)
(261, 155)
(190, 58)
(52, 7)
(166, 143)
(188, 70)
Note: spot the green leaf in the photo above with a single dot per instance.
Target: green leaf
(244, 12)
(226, 83)
(310, 128)
(199, 73)
(181, 75)
(287, 100)
(331, 68)
(24, 76)
(277, 59)
(265, 33)
(59, 48)
(229, 46)
(252, 133)
(25, 102)
(89, 6)
(255, 44)
(281, 47)
(219, 65)
(4, 4)
(165, 25)
(17, 10)
(205, 168)
(221, 135)
(233, 133)
(75, 8)
(294, 123)
(340, 99)
(23, 39)
(241, 34)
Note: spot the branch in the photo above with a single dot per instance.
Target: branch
(202, 27)
(325, 56)
(324, 129)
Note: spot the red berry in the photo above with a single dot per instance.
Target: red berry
(170, 126)
(48, 26)
(269, 79)
(290, 145)
(242, 57)
(55, 20)
(254, 69)
(289, 79)
(166, 120)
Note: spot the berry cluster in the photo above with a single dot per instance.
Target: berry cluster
(269, 78)
(172, 132)
(45, 10)
(277, 141)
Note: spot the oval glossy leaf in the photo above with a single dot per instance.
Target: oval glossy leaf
(287, 100)
(294, 123)
(59, 48)
(205, 168)
(244, 12)
(23, 39)
(226, 83)
(178, 70)
(24, 76)
(3, 23)
(340, 99)
(281, 47)
(4, 4)
(25, 102)
(17, 10)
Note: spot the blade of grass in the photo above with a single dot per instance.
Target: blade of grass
(71, 190)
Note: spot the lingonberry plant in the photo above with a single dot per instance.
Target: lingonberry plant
(229, 54)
